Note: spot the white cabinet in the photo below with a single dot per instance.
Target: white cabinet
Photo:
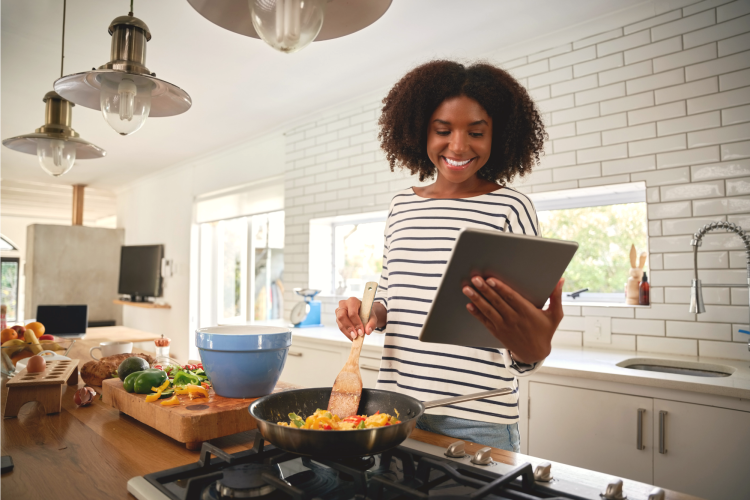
(310, 367)
(592, 429)
(705, 450)
(316, 364)
(691, 448)
(369, 368)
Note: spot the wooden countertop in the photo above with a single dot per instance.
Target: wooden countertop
(117, 333)
(91, 452)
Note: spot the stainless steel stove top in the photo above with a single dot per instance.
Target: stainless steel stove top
(413, 470)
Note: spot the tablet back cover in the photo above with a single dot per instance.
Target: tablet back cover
(528, 264)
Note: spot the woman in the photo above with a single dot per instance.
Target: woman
(473, 129)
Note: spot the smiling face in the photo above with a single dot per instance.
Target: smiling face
(459, 139)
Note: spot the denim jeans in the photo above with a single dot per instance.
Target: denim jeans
(502, 436)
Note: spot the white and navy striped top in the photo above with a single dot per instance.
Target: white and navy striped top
(419, 236)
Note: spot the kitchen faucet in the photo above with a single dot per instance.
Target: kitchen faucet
(696, 292)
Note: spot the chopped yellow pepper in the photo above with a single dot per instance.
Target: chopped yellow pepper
(196, 391)
(181, 390)
(153, 397)
(158, 390)
(162, 387)
(171, 402)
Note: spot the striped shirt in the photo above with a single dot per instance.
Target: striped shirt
(419, 236)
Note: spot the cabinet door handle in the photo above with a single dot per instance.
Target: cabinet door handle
(295, 354)
(662, 432)
(371, 368)
(639, 436)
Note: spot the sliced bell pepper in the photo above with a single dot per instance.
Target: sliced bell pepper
(296, 420)
(355, 419)
(171, 402)
(162, 387)
(196, 391)
(153, 397)
(185, 378)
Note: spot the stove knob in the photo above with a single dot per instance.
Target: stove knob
(456, 450)
(482, 457)
(614, 490)
(656, 494)
(543, 472)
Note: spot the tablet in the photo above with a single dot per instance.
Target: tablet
(530, 265)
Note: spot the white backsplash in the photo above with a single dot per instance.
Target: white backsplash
(663, 101)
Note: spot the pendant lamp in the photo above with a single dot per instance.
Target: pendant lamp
(55, 143)
(124, 89)
(290, 25)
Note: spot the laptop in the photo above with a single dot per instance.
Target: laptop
(67, 321)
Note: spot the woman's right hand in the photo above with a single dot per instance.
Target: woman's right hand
(347, 318)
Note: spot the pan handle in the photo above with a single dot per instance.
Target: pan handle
(469, 397)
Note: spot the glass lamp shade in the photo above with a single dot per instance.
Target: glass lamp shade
(56, 156)
(125, 101)
(288, 25)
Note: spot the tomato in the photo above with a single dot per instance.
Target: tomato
(326, 427)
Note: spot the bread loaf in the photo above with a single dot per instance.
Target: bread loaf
(94, 372)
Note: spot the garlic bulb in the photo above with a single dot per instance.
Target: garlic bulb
(84, 396)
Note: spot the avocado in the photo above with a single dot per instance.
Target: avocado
(131, 365)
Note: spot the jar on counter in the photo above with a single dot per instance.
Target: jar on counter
(163, 360)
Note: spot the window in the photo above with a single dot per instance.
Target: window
(10, 270)
(241, 266)
(605, 221)
(347, 252)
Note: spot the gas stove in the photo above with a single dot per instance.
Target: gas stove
(414, 470)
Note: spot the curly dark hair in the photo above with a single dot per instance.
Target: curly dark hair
(518, 132)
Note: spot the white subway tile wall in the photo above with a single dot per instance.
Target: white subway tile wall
(664, 100)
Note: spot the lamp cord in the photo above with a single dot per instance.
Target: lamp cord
(62, 55)
(131, 9)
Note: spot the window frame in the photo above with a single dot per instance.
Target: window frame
(613, 194)
(211, 293)
(331, 223)
(17, 261)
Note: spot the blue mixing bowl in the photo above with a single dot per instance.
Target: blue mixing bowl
(243, 361)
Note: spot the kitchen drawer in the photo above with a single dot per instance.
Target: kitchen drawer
(369, 368)
(309, 367)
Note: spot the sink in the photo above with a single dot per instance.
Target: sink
(677, 367)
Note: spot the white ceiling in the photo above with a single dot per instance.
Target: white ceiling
(240, 87)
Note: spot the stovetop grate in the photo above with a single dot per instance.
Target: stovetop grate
(400, 473)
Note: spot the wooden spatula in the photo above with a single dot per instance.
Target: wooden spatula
(347, 389)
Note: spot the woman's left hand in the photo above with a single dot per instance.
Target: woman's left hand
(524, 330)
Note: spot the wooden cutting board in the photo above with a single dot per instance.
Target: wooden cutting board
(194, 421)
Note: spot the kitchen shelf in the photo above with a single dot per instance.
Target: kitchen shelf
(144, 305)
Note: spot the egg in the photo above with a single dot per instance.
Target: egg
(36, 364)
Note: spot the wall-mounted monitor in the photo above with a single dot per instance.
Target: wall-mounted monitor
(140, 271)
